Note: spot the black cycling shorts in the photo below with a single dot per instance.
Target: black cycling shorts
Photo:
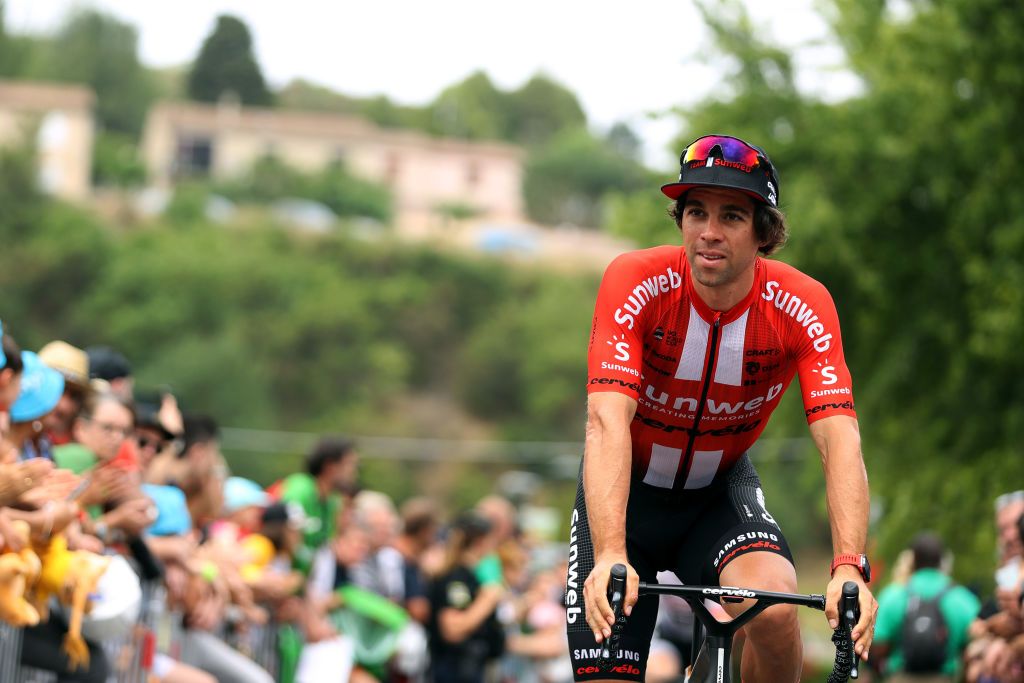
(694, 534)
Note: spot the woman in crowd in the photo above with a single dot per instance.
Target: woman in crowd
(462, 610)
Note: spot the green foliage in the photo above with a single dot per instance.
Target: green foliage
(540, 109)
(641, 216)
(513, 371)
(473, 109)
(52, 255)
(268, 329)
(565, 180)
(17, 53)
(385, 113)
(308, 96)
(115, 161)
(101, 52)
(623, 140)
(187, 205)
(904, 201)
(345, 194)
(226, 65)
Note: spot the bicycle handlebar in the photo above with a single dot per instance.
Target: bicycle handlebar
(616, 598)
(845, 666)
(849, 614)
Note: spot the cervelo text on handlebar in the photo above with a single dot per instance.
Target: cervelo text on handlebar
(719, 634)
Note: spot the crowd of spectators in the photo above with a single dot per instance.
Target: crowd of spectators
(103, 491)
(995, 653)
(96, 477)
(965, 638)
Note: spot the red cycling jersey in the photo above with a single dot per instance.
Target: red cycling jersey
(705, 381)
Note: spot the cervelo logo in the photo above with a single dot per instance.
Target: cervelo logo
(620, 669)
(797, 309)
(733, 592)
(644, 293)
(713, 407)
(764, 538)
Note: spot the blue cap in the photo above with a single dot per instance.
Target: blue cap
(242, 493)
(41, 388)
(173, 518)
(3, 358)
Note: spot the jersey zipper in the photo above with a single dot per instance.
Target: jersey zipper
(708, 374)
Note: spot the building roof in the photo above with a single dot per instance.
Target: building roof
(296, 123)
(40, 96)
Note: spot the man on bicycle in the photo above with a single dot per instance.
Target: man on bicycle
(691, 350)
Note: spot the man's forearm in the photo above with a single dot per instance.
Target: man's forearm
(846, 485)
(606, 474)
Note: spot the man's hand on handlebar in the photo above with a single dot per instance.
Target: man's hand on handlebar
(600, 617)
(864, 629)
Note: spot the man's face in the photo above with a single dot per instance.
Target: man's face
(1006, 525)
(344, 473)
(10, 387)
(150, 443)
(380, 525)
(8, 450)
(104, 433)
(60, 420)
(718, 234)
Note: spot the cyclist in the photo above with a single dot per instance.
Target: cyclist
(691, 350)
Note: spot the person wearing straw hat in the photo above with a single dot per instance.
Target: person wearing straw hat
(73, 363)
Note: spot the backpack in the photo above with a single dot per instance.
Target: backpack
(925, 634)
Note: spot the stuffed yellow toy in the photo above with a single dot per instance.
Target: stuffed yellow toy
(18, 571)
(70, 576)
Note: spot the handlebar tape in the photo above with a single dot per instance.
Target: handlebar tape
(616, 599)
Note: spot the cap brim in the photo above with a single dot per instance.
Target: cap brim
(46, 391)
(676, 190)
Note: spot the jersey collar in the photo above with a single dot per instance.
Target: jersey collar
(707, 313)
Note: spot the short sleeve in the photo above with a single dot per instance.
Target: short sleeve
(614, 358)
(825, 381)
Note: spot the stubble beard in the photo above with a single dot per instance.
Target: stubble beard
(711, 278)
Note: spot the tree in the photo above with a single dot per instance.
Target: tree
(16, 51)
(906, 207)
(226, 65)
(623, 140)
(565, 180)
(100, 51)
(309, 96)
(474, 109)
(540, 109)
(345, 194)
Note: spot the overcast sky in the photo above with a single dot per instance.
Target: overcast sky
(623, 62)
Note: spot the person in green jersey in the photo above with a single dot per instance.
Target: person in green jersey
(957, 605)
(331, 470)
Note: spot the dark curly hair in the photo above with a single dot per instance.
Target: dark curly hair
(769, 224)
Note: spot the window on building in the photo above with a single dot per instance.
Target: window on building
(194, 156)
(472, 174)
(391, 169)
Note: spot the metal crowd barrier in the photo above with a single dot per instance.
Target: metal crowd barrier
(259, 643)
(131, 658)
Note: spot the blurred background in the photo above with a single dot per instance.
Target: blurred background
(391, 221)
